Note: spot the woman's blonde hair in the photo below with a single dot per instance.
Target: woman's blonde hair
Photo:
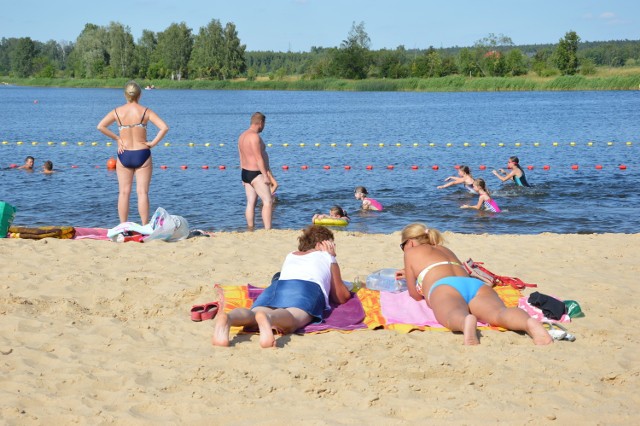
(422, 234)
(132, 91)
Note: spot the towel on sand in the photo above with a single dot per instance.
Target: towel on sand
(37, 233)
(370, 309)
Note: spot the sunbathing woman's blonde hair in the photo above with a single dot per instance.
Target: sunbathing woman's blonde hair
(132, 91)
(422, 234)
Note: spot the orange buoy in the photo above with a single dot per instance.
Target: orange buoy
(111, 163)
(163, 167)
(73, 166)
(222, 167)
(529, 167)
(598, 166)
(285, 167)
(574, 167)
(327, 167)
(347, 167)
(623, 167)
(435, 167)
(390, 167)
(205, 167)
(546, 167)
(184, 167)
(482, 167)
(414, 167)
(369, 167)
(304, 167)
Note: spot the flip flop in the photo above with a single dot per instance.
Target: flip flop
(196, 312)
(210, 311)
(558, 332)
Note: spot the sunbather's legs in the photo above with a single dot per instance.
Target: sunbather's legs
(452, 311)
(285, 321)
(488, 307)
(224, 321)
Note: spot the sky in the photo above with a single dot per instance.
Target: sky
(298, 25)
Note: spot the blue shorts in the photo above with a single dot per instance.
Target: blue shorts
(305, 295)
(133, 159)
(467, 286)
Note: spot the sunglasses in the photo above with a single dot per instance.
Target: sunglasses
(403, 244)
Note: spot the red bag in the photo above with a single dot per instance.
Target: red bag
(476, 270)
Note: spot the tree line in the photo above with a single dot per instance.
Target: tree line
(216, 53)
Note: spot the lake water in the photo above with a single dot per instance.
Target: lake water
(555, 129)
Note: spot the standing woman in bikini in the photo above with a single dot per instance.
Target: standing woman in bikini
(434, 273)
(134, 151)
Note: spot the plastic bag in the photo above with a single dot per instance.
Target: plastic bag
(573, 309)
(385, 280)
(168, 227)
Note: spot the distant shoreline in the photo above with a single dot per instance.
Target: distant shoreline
(627, 81)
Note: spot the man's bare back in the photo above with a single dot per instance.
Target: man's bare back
(254, 163)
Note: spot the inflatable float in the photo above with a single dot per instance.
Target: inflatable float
(331, 222)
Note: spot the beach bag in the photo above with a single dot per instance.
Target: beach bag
(476, 270)
(7, 214)
(167, 227)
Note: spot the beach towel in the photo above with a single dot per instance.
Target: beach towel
(91, 233)
(40, 232)
(368, 309)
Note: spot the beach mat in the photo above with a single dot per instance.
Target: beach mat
(368, 309)
(40, 232)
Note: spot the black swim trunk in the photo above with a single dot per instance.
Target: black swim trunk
(249, 175)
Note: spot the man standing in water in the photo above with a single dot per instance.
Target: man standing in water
(254, 162)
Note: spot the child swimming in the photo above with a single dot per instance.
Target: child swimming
(485, 202)
(464, 177)
(336, 212)
(367, 203)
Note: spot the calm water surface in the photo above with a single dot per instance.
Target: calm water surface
(416, 129)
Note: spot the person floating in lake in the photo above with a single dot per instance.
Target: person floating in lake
(367, 203)
(336, 212)
(464, 178)
(436, 275)
(47, 167)
(516, 173)
(485, 202)
(28, 164)
(308, 280)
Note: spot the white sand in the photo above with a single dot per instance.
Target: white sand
(94, 332)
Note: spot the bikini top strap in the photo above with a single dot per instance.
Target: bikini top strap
(142, 119)
(118, 117)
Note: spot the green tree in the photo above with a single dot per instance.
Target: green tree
(427, 65)
(174, 48)
(565, 55)
(234, 62)
(146, 53)
(89, 57)
(515, 63)
(488, 54)
(467, 64)
(22, 57)
(121, 50)
(207, 56)
(352, 59)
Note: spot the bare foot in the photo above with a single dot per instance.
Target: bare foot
(267, 340)
(221, 330)
(538, 333)
(470, 330)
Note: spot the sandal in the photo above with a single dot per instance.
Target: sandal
(558, 331)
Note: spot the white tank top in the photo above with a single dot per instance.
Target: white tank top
(314, 267)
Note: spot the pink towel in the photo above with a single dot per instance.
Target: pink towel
(91, 233)
(401, 308)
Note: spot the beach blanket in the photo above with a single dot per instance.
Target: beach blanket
(91, 233)
(40, 232)
(368, 309)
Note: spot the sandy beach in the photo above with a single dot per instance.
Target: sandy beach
(95, 332)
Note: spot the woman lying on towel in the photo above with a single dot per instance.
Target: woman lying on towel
(309, 278)
(435, 274)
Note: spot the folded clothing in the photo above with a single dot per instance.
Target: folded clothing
(40, 232)
(550, 306)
